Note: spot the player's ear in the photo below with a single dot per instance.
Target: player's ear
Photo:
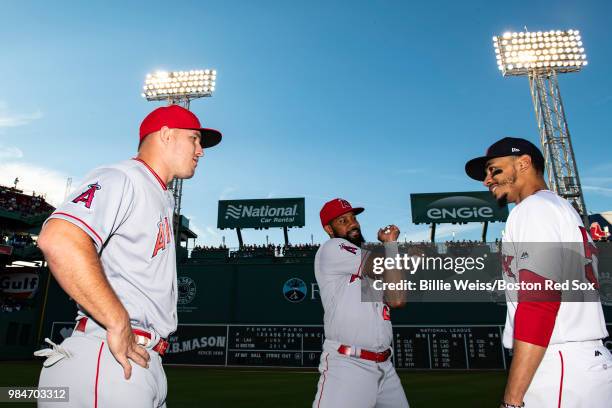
(329, 230)
(523, 162)
(165, 134)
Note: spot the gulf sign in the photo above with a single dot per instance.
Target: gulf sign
(19, 285)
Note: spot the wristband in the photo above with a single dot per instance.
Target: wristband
(391, 249)
(504, 404)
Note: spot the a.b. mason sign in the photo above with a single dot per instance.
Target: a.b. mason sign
(470, 206)
(261, 213)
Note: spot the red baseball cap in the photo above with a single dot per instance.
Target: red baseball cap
(336, 208)
(177, 117)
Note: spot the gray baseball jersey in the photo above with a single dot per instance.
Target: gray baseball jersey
(348, 320)
(348, 381)
(126, 209)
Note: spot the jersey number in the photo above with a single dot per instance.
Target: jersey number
(589, 250)
(386, 312)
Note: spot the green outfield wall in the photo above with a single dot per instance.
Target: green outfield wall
(272, 291)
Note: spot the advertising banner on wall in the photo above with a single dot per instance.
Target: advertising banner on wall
(469, 206)
(261, 213)
(197, 344)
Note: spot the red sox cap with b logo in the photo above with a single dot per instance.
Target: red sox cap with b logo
(336, 208)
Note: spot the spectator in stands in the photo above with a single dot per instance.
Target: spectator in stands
(14, 200)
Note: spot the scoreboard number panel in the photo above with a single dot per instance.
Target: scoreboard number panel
(453, 347)
(274, 346)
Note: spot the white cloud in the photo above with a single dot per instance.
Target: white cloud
(10, 153)
(600, 180)
(193, 226)
(208, 235)
(601, 168)
(227, 192)
(212, 236)
(50, 183)
(598, 190)
(10, 119)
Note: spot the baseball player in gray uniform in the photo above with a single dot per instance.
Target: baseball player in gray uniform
(356, 369)
(111, 247)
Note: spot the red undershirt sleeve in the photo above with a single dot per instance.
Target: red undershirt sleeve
(537, 310)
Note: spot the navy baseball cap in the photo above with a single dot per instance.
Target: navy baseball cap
(508, 146)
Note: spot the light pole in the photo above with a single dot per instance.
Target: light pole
(541, 56)
(179, 88)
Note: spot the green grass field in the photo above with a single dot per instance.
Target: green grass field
(269, 388)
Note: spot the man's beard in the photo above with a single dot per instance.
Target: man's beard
(503, 200)
(355, 240)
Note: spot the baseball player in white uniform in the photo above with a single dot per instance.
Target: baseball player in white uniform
(356, 369)
(558, 356)
(111, 247)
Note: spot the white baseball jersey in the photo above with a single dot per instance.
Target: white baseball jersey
(544, 217)
(127, 211)
(347, 319)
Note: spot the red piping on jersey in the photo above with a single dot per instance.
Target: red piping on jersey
(357, 275)
(360, 265)
(97, 376)
(561, 382)
(82, 222)
(324, 378)
(161, 182)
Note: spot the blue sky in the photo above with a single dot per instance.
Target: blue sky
(367, 100)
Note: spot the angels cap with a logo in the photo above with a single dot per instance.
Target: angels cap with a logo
(335, 208)
(508, 146)
(177, 117)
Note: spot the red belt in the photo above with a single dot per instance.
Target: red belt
(160, 347)
(378, 357)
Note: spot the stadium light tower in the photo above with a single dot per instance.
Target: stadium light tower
(179, 88)
(541, 56)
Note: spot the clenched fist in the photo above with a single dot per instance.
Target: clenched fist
(388, 233)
